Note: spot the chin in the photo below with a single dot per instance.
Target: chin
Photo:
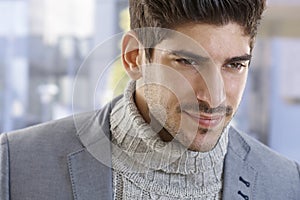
(204, 141)
(201, 146)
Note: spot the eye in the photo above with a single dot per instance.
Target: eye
(236, 66)
(186, 61)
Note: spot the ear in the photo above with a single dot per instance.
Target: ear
(132, 55)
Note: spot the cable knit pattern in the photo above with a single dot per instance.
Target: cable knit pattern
(145, 167)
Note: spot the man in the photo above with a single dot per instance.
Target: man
(169, 135)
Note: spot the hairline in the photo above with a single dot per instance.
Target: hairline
(190, 23)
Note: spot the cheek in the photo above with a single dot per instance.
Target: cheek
(234, 88)
(160, 96)
(169, 86)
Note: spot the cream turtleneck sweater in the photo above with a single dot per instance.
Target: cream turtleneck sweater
(145, 167)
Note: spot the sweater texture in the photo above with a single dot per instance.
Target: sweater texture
(145, 167)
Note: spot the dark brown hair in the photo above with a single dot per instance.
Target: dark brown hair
(171, 13)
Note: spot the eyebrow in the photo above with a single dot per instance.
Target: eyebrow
(246, 57)
(187, 54)
(199, 58)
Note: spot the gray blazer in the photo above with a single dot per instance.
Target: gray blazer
(59, 160)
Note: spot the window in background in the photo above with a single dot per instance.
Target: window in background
(44, 44)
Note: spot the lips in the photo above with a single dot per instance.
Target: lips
(205, 120)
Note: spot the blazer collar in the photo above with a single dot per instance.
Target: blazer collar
(90, 179)
(239, 176)
(90, 167)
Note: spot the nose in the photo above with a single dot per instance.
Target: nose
(210, 85)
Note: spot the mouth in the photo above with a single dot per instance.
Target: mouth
(206, 121)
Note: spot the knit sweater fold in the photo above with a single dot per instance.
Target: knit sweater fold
(145, 167)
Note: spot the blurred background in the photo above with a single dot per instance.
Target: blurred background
(44, 44)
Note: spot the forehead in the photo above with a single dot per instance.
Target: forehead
(218, 42)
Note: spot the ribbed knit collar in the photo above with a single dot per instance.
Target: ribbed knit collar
(137, 148)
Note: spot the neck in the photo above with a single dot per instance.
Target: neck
(138, 141)
(142, 106)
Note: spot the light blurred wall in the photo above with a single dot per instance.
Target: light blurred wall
(13, 64)
(270, 110)
(43, 45)
(283, 32)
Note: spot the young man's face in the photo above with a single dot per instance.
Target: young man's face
(194, 83)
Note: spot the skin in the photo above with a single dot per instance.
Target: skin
(193, 86)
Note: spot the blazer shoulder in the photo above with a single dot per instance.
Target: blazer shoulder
(52, 151)
(49, 136)
(64, 129)
(4, 168)
(266, 160)
(262, 152)
(275, 170)
(55, 129)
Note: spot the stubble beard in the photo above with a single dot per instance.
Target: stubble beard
(171, 130)
(166, 122)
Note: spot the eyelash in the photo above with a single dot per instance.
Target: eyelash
(235, 66)
(186, 61)
(232, 66)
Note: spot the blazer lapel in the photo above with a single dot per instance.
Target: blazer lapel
(90, 168)
(90, 178)
(239, 176)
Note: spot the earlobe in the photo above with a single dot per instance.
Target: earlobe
(131, 55)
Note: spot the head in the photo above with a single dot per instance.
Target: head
(191, 66)
(170, 14)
